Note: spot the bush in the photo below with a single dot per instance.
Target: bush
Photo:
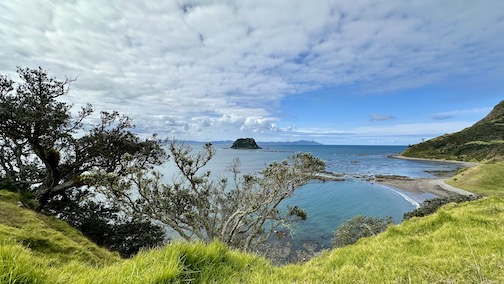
(359, 227)
(107, 226)
(430, 206)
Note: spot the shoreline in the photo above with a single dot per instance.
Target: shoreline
(463, 163)
(414, 190)
(436, 186)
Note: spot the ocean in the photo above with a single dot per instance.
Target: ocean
(329, 204)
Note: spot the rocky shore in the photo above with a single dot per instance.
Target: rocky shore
(437, 186)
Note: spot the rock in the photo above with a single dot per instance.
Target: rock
(280, 234)
(245, 143)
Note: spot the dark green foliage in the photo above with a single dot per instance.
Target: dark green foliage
(48, 156)
(7, 184)
(105, 226)
(482, 141)
(245, 143)
(39, 148)
(296, 212)
(26, 197)
(430, 206)
(359, 227)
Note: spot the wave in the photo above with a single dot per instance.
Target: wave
(406, 197)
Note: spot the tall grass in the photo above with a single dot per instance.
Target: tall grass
(47, 236)
(461, 243)
(17, 265)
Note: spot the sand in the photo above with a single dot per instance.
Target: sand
(437, 186)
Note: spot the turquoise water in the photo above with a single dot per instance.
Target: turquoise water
(329, 204)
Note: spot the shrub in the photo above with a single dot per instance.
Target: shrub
(359, 227)
(430, 206)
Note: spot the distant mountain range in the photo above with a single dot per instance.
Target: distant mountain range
(484, 141)
(262, 144)
(294, 143)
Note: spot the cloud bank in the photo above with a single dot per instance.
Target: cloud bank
(220, 69)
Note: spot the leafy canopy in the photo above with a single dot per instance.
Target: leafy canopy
(46, 150)
(47, 153)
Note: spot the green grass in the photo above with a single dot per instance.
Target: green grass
(461, 243)
(483, 141)
(486, 142)
(46, 236)
(484, 179)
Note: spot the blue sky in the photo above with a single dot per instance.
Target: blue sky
(337, 72)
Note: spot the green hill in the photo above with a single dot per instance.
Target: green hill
(46, 236)
(484, 179)
(461, 243)
(484, 141)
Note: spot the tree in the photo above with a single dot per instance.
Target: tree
(46, 150)
(241, 211)
(359, 227)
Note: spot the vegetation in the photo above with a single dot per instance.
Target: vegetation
(45, 164)
(430, 206)
(46, 237)
(359, 227)
(107, 227)
(481, 142)
(245, 143)
(484, 179)
(242, 213)
(40, 149)
(46, 154)
(461, 243)
(51, 157)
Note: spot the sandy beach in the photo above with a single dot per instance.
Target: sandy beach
(437, 186)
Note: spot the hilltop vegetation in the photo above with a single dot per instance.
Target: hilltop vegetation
(484, 179)
(461, 243)
(484, 141)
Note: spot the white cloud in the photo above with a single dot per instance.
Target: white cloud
(400, 133)
(452, 114)
(380, 117)
(204, 68)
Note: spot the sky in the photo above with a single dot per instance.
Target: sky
(357, 72)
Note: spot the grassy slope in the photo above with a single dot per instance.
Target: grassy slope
(467, 145)
(460, 243)
(484, 179)
(29, 240)
(481, 142)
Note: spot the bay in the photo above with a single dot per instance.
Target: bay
(330, 204)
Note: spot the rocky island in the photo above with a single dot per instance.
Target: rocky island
(245, 143)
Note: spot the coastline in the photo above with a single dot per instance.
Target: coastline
(436, 186)
(462, 163)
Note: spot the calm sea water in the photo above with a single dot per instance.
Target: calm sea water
(329, 204)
